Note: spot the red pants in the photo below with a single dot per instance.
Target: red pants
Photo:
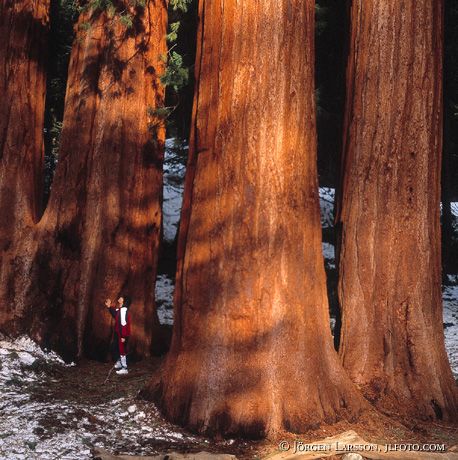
(122, 346)
(117, 347)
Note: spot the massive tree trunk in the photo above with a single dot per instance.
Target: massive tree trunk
(392, 340)
(23, 48)
(100, 233)
(252, 350)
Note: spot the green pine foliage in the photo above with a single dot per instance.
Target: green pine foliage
(173, 34)
(176, 76)
(180, 5)
(110, 5)
(113, 9)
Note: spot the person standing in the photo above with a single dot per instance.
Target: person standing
(121, 332)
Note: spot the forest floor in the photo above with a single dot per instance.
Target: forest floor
(50, 410)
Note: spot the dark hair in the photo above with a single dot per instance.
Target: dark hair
(127, 301)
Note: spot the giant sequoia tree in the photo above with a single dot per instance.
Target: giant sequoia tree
(392, 341)
(24, 27)
(251, 350)
(99, 235)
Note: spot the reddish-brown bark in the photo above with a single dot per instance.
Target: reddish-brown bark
(24, 28)
(99, 235)
(392, 341)
(252, 350)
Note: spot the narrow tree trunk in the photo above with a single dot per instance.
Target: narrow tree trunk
(392, 340)
(100, 233)
(24, 27)
(252, 350)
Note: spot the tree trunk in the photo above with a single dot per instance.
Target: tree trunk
(100, 233)
(392, 340)
(252, 350)
(24, 27)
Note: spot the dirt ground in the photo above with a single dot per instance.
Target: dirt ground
(84, 385)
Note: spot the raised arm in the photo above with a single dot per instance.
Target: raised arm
(110, 309)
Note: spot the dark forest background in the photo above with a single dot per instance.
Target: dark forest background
(331, 48)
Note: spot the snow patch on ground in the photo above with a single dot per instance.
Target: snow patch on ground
(36, 425)
(329, 254)
(450, 298)
(174, 172)
(453, 207)
(327, 196)
(164, 299)
(23, 353)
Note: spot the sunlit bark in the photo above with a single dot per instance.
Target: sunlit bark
(392, 341)
(252, 350)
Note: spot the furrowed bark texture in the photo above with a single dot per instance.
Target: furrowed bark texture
(392, 341)
(100, 233)
(252, 351)
(24, 27)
